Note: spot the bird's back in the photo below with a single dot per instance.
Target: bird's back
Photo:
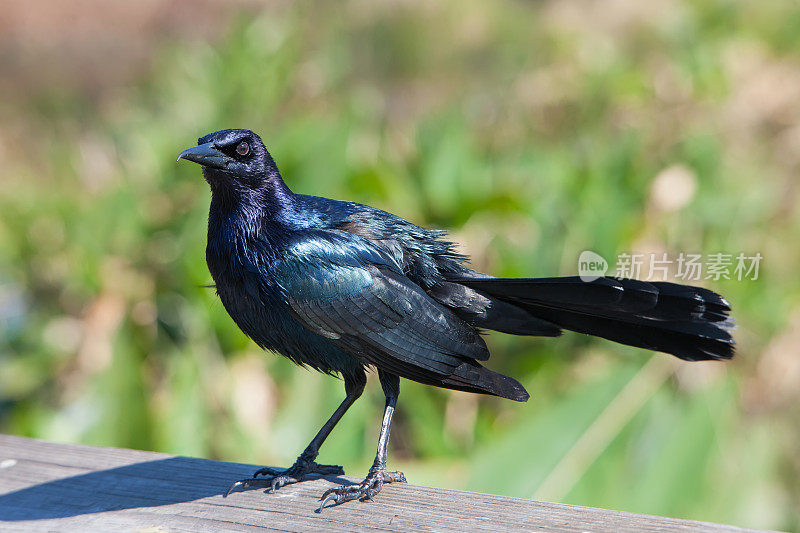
(426, 256)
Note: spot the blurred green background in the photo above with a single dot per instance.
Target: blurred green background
(532, 130)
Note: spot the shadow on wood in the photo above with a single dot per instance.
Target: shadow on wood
(146, 484)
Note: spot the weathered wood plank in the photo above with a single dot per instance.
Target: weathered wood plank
(47, 486)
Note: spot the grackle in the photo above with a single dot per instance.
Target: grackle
(342, 287)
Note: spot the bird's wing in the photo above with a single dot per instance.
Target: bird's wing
(344, 288)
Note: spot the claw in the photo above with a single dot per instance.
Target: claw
(246, 484)
(366, 491)
(339, 495)
(280, 481)
(230, 489)
(279, 478)
(326, 498)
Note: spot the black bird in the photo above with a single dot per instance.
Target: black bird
(342, 287)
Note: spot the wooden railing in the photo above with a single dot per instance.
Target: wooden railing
(65, 487)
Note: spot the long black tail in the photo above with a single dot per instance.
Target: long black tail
(689, 322)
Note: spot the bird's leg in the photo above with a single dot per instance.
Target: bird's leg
(305, 464)
(377, 475)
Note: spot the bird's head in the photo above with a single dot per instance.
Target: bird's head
(233, 160)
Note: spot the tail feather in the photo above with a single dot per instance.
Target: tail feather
(689, 322)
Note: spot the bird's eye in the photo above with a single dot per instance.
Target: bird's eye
(243, 148)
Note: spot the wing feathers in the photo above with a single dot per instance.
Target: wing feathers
(377, 314)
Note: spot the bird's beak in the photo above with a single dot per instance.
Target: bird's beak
(206, 155)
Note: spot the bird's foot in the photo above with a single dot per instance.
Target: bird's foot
(368, 488)
(275, 478)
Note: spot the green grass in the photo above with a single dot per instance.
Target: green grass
(532, 132)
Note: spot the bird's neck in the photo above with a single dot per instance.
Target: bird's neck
(271, 200)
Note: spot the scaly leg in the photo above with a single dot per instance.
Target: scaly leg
(305, 465)
(377, 475)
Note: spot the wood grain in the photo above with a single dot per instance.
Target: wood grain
(48, 486)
